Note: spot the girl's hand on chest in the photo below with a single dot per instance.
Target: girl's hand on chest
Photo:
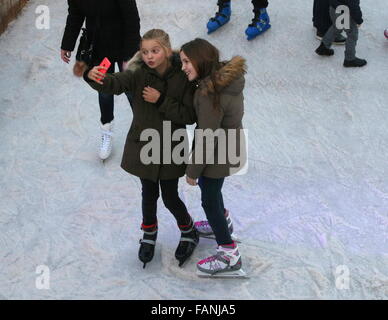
(151, 95)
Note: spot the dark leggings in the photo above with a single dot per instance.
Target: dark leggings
(260, 4)
(213, 205)
(106, 100)
(257, 4)
(170, 197)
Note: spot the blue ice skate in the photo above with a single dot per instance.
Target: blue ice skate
(260, 24)
(221, 18)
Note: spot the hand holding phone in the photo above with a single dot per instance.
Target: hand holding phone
(106, 64)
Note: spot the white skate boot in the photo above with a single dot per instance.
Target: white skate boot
(226, 263)
(205, 230)
(106, 140)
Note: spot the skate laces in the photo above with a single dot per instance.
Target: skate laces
(215, 262)
(205, 223)
(106, 138)
(202, 223)
(223, 254)
(257, 19)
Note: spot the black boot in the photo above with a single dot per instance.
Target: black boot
(188, 242)
(323, 51)
(147, 244)
(354, 63)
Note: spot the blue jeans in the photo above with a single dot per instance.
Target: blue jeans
(106, 100)
(213, 205)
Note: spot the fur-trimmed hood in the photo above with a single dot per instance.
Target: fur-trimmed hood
(229, 77)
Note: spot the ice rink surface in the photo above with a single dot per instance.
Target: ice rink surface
(312, 211)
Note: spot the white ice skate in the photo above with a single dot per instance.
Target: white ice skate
(205, 230)
(106, 140)
(226, 263)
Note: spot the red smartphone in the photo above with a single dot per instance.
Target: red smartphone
(104, 63)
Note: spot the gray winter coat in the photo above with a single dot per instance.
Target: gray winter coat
(228, 121)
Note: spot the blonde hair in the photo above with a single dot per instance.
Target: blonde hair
(159, 36)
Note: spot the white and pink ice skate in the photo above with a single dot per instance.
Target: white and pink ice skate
(226, 263)
(205, 230)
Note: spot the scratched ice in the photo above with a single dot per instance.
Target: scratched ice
(315, 196)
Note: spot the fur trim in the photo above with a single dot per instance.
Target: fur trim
(134, 60)
(230, 71)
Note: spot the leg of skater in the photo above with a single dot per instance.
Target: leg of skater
(322, 20)
(350, 47)
(203, 227)
(325, 47)
(227, 257)
(260, 22)
(106, 102)
(189, 235)
(222, 16)
(150, 195)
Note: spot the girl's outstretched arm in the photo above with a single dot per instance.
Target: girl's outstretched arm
(110, 83)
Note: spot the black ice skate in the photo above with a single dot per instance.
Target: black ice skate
(147, 244)
(188, 242)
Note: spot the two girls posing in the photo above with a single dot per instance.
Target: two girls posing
(193, 86)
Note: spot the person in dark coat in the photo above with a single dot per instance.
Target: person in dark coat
(322, 21)
(160, 92)
(352, 21)
(114, 29)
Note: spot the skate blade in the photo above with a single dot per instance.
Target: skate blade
(182, 262)
(211, 236)
(237, 274)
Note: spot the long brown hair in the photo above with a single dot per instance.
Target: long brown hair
(205, 58)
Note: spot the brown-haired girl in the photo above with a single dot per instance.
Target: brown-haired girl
(160, 90)
(218, 102)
